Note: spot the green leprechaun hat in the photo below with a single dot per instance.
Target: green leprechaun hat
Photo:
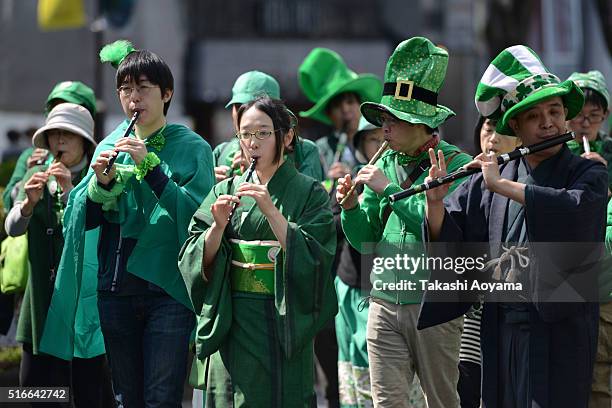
(324, 74)
(517, 80)
(414, 75)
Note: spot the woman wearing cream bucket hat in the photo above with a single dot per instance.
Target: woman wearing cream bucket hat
(38, 211)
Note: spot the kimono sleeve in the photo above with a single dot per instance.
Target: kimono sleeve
(305, 298)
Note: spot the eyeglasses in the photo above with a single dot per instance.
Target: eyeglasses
(126, 91)
(593, 118)
(259, 134)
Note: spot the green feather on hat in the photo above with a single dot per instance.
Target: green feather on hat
(116, 52)
(323, 75)
(515, 81)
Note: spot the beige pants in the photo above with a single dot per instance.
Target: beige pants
(397, 351)
(601, 397)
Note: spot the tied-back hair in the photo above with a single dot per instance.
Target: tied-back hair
(149, 64)
(281, 121)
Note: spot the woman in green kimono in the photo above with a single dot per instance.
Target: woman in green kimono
(262, 281)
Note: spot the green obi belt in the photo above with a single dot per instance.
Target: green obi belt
(253, 263)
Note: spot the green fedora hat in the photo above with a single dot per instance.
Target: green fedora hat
(324, 74)
(73, 92)
(414, 75)
(515, 81)
(252, 84)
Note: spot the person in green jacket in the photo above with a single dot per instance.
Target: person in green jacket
(260, 276)
(65, 91)
(228, 157)
(38, 210)
(142, 208)
(408, 113)
(588, 123)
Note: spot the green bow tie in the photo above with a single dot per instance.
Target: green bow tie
(157, 141)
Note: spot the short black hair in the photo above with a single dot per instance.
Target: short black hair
(340, 98)
(594, 97)
(149, 64)
(281, 120)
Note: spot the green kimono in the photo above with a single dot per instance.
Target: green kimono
(254, 339)
(364, 224)
(45, 242)
(306, 156)
(602, 145)
(160, 225)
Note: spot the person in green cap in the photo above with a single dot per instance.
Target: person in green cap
(336, 92)
(228, 157)
(408, 112)
(258, 266)
(38, 210)
(587, 125)
(538, 346)
(142, 207)
(66, 91)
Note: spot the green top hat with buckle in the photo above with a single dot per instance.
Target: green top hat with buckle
(515, 81)
(414, 75)
(592, 80)
(324, 75)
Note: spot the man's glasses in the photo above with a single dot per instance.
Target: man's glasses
(593, 118)
(259, 134)
(126, 91)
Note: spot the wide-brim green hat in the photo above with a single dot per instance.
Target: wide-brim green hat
(323, 75)
(414, 75)
(517, 80)
(251, 85)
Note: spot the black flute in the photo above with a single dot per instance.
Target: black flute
(109, 166)
(501, 159)
(249, 175)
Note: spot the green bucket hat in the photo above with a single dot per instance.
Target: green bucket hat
(252, 84)
(515, 81)
(593, 80)
(73, 92)
(414, 75)
(324, 74)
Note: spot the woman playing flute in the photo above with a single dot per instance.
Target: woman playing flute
(262, 281)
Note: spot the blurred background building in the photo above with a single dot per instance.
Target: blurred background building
(209, 43)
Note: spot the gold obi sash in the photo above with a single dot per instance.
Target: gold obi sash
(252, 268)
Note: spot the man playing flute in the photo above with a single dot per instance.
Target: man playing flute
(408, 113)
(538, 351)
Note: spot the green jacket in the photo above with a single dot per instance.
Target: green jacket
(602, 145)
(160, 226)
(45, 243)
(21, 167)
(305, 158)
(364, 229)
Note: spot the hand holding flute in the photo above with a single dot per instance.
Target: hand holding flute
(109, 166)
(370, 175)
